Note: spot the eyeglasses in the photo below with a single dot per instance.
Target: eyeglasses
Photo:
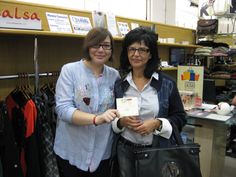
(104, 46)
(141, 51)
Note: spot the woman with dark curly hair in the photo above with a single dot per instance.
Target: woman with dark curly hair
(158, 98)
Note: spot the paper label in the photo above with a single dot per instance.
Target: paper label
(127, 106)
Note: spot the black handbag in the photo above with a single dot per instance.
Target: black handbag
(207, 26)
(178, 160)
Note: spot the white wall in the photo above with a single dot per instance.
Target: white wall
(186, 16)
(157, 10)
(126, 8)
(171, 12)
(174, 12)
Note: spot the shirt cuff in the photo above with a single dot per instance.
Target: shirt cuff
(166, 130)
(68, 114)
(115, 127)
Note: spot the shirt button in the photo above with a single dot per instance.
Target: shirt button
(15, 166)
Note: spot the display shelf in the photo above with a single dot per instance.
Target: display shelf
(219, 78)
(54, 49)
(169, 69)
(37, 33)
(179, 45)
(59, 34)
(44, 33)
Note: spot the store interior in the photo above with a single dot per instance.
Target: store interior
(32, 54)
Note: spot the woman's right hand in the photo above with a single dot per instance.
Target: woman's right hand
(107, 116)
(130, 122)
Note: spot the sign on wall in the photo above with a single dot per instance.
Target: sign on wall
(190, 85)
(17, 18)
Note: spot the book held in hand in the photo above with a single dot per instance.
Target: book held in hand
(127, 106)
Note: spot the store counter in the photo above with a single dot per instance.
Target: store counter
(210, 131)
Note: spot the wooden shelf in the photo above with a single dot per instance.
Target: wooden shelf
(59, 34)
(169, 69)
(180, 45)
(37, 33)
(44, 33)
(219, 78)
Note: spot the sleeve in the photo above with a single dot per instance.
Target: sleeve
(65, 95)
(115, 127)
(166, 130)
(176, 113)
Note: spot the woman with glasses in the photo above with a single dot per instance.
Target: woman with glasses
(85, 109)
(159, 102)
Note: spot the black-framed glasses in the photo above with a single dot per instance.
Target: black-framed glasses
(141, 51)
(104, 46)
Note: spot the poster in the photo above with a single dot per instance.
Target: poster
(190, 85)
(19, 18)
(80, 25)
(58, 22)
(111, 24)
(123, 28)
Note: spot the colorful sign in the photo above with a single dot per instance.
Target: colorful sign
(190, 80)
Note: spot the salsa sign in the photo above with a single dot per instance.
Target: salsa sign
(19, 19)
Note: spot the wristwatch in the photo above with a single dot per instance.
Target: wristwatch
(160, 126)
(158, 130)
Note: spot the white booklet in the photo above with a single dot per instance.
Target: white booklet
(123, 28)
(58, 22)
(98, 19)
(127, 106)
(111, 24)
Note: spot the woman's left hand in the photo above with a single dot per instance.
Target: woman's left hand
(147, 127)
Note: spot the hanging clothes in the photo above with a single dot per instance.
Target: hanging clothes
(8, 150)
(31, 121)
(45, 139)
(22, 114)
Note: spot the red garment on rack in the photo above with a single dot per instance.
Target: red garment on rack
(29, 113)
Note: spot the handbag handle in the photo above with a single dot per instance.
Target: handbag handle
(176, 134)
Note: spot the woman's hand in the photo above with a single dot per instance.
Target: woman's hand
(148, 126)
(130, 122)
(107, 116)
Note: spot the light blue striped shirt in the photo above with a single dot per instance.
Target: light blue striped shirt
(78, 88)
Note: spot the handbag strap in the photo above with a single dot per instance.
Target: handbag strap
(176, 134)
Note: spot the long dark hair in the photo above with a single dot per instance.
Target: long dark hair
(150, 40)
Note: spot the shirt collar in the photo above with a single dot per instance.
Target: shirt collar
(129, 77)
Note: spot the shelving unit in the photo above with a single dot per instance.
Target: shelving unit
(56, 49)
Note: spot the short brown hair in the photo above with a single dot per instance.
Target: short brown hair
(94, 37)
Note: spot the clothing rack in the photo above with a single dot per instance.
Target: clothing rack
(15, 76)
(36, 66)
